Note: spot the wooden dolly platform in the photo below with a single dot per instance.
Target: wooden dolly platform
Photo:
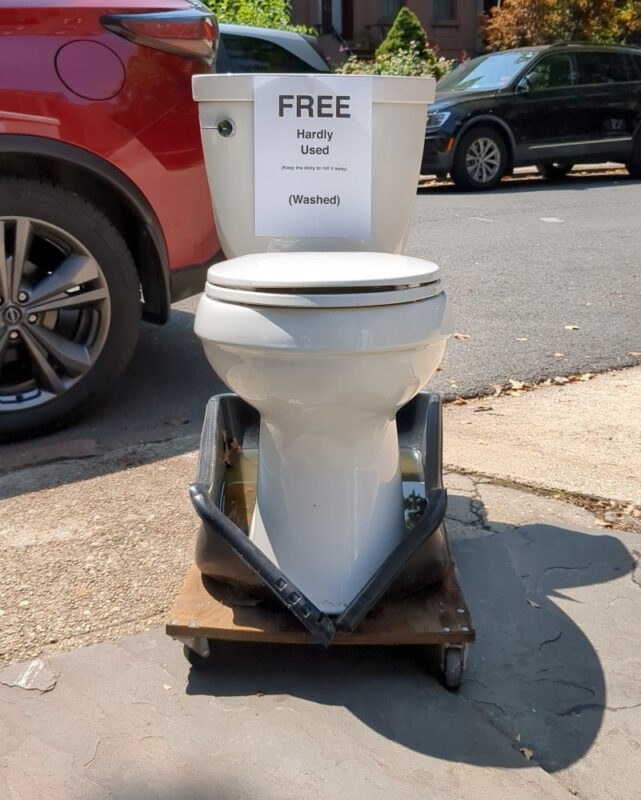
(206, 610)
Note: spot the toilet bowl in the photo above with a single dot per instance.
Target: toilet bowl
(327, 364)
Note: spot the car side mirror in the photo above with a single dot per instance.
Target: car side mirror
(524, 86)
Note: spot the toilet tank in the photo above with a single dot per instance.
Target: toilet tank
(398, 119)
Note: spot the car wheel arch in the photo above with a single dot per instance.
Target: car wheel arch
(498, 124)
(120, 200)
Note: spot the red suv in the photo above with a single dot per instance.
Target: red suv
(105, 211)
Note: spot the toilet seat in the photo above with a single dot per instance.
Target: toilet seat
(322, 280)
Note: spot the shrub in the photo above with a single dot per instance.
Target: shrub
(403, 62)
(406, 34)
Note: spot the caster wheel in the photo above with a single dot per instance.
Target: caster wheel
(453, 668)
(197, 661)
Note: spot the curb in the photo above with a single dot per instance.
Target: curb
(605, 166)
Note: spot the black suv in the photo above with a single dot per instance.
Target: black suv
(552, 106)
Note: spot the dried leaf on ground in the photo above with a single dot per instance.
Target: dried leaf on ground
(460, 401)
(634, 353)
(558, 355)
(498, 389)
(516, 384)
(559, 380)
(526, 753)
(521, 339)
(461, 335)
(572, 328)
(177, 421)
(482, 408)
(534, 604)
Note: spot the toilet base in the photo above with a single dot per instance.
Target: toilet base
(227, 466)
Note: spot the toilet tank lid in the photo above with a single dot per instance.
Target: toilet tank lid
(305, 271)
(385, 88)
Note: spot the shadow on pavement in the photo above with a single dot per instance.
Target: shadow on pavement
(160, 398)
(533, 673)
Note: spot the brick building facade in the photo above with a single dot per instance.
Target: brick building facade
(453, 25)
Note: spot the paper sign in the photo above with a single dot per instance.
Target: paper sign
(313, 156)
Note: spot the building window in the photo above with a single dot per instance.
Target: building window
(389, 9)
(444, 10)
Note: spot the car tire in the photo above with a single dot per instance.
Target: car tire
(554, 172)
(69, 306)
(480, 160)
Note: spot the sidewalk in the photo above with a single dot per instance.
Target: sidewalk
(551, 700)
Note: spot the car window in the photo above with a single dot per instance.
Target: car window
(489, 72)
(249, 54)
(634, 65)
(552, 72)
(603, 67)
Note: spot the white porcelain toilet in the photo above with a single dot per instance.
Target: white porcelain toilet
(327, 346)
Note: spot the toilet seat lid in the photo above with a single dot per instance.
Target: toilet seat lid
(326, 279)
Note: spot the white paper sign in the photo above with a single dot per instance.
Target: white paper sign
(313, 156)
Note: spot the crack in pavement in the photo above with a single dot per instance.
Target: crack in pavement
(566, 683)
(95, 753)
(550, 641)
(594, 706)
(485, 703)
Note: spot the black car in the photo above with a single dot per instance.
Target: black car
(552, 106)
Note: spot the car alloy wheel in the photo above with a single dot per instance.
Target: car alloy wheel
(482, 160)
(55, 312)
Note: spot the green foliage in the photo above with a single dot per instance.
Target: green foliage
(519, 23)
(406, 34)
(404, 51)
(257, 13)
(403, 62)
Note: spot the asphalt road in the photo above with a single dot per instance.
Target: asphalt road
(520, 264)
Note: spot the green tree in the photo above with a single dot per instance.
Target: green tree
(406, 34)
(257, 13)
(518, 23)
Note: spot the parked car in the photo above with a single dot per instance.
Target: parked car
(552, 106)
(105, 210)
(245, 49)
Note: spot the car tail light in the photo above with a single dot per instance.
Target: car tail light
(192, 33)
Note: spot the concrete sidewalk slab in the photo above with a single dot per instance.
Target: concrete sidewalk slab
(582, 437)
(128, 720)
(555, 672)
(557, 662)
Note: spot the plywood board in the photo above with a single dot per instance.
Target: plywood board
(437, 615)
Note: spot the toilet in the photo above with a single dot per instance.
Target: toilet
(327, 337)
